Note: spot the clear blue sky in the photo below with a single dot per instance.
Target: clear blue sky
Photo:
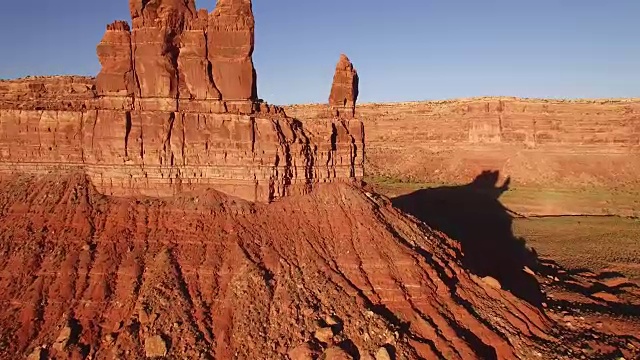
(403, 50)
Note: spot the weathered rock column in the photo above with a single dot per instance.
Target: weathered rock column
(157, 27)
(114, 52)
(344, 91)
(230, 46)
(196, 77)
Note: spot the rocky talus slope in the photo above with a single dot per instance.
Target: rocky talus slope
(338, 272)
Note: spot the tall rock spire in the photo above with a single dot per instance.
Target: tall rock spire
(157, 27)
(344, 91)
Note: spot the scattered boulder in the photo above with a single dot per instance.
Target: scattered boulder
(529, 271)
(109, 339)
(324, 335)
(302, 352)
(604, 296)
(37, 354)
(615, 282)
(148, 319)
(383, 354)
(332, 320)
(155, 347)
(336, 353)
(63, 339)
(492, 282)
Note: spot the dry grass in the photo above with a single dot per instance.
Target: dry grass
(594, 243)
(539, 201)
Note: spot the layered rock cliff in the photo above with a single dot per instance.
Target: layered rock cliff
(173, 108)
(49, 124)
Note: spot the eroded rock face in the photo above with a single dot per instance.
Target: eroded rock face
(344, 91)
(256, 157)
(157, 27)
(219, 278)
(164, 13)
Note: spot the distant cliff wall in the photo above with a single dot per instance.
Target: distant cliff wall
(549, 143)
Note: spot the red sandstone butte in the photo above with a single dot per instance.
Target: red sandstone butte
(344, 91)
(174, 108)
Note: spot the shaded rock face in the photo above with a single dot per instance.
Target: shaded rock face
(344, 91)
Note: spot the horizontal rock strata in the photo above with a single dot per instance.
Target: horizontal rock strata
(260, 156)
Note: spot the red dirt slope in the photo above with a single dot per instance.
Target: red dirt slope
(338, 273)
